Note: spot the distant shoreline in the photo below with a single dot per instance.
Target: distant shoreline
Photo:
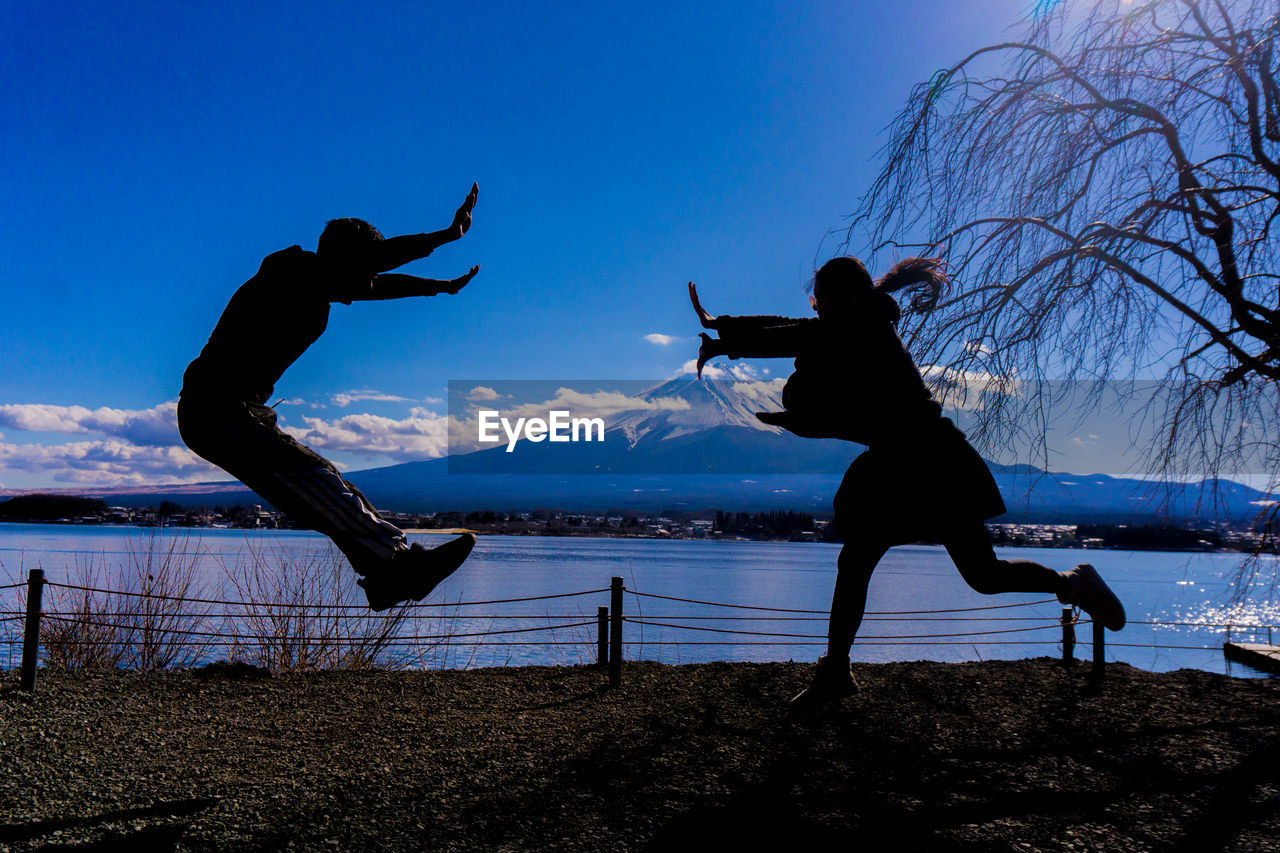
(997, 539)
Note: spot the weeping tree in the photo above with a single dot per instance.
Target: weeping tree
(1104, 190)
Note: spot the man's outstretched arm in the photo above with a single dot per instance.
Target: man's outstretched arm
(398, 251)
(398, 285)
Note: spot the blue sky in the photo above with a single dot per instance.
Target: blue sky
(154, 152)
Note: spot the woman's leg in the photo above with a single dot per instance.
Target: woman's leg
(1081, 586)
(858, 559)
(973, 555)
(832, 680)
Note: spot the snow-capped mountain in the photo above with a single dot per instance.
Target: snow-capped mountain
(712, 403)
(709, 451)
(688, 427)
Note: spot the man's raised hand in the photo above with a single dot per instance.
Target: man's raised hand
(462, 219)
(454, 285)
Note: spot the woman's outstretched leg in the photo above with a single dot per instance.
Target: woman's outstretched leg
(1082, 586)
(981, 569)
(833, 680)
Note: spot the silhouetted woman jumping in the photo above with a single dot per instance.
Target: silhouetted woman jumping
(918, 478)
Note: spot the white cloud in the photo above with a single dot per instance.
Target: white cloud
(142, 447)
(423, 435)
(1089, 440)
(742, 372)
(760, 390)
(154, 427)
(661, 339)
(346, 398)
(483, 393)
(595, 404)
(965, 389)
(107, 463)
(579, 404)
(342, 399)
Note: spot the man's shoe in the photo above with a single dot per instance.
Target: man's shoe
(832, 682)
(1088, 591)
(414, 572)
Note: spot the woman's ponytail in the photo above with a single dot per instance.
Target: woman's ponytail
(929, 273)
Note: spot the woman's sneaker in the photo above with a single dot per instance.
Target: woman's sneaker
(832, 682)
(1087, 590)
(414, 572)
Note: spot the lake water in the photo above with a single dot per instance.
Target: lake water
(1195, 589)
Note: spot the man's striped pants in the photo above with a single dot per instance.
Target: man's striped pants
(242, 438)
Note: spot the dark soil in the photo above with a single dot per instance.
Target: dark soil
(1013, 756)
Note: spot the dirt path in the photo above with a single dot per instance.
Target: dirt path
(984, 756)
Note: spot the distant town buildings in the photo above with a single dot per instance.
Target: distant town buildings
(717, 524)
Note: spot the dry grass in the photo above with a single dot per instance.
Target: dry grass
(299, 612)
(147, 620)
(305, 612)
(284, 610)
(76, 631)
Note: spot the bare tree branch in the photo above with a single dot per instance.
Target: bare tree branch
(1106, 203)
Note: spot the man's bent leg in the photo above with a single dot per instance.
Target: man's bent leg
(393, 570)
(322, 499)
(244, 440)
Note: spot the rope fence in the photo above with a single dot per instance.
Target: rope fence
(1053, 624)
(823, 643)
(237, 636)
(394, 643)
(824, 612)
(175, 621)
(318, 606)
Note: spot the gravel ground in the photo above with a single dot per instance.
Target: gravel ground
(1015, 756)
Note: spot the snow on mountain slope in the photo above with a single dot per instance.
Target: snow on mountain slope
(712, 403)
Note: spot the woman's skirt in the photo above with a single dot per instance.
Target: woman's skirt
(921, 489)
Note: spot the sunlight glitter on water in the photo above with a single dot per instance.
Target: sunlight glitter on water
(1248, 615)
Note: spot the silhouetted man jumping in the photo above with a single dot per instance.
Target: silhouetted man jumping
(269, 322)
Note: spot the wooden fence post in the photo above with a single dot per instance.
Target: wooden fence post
(1068, 636)
(31, 639)
(602, 637)
(615, 632)
(1099, 651)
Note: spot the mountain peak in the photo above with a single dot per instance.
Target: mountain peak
(686, 405)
